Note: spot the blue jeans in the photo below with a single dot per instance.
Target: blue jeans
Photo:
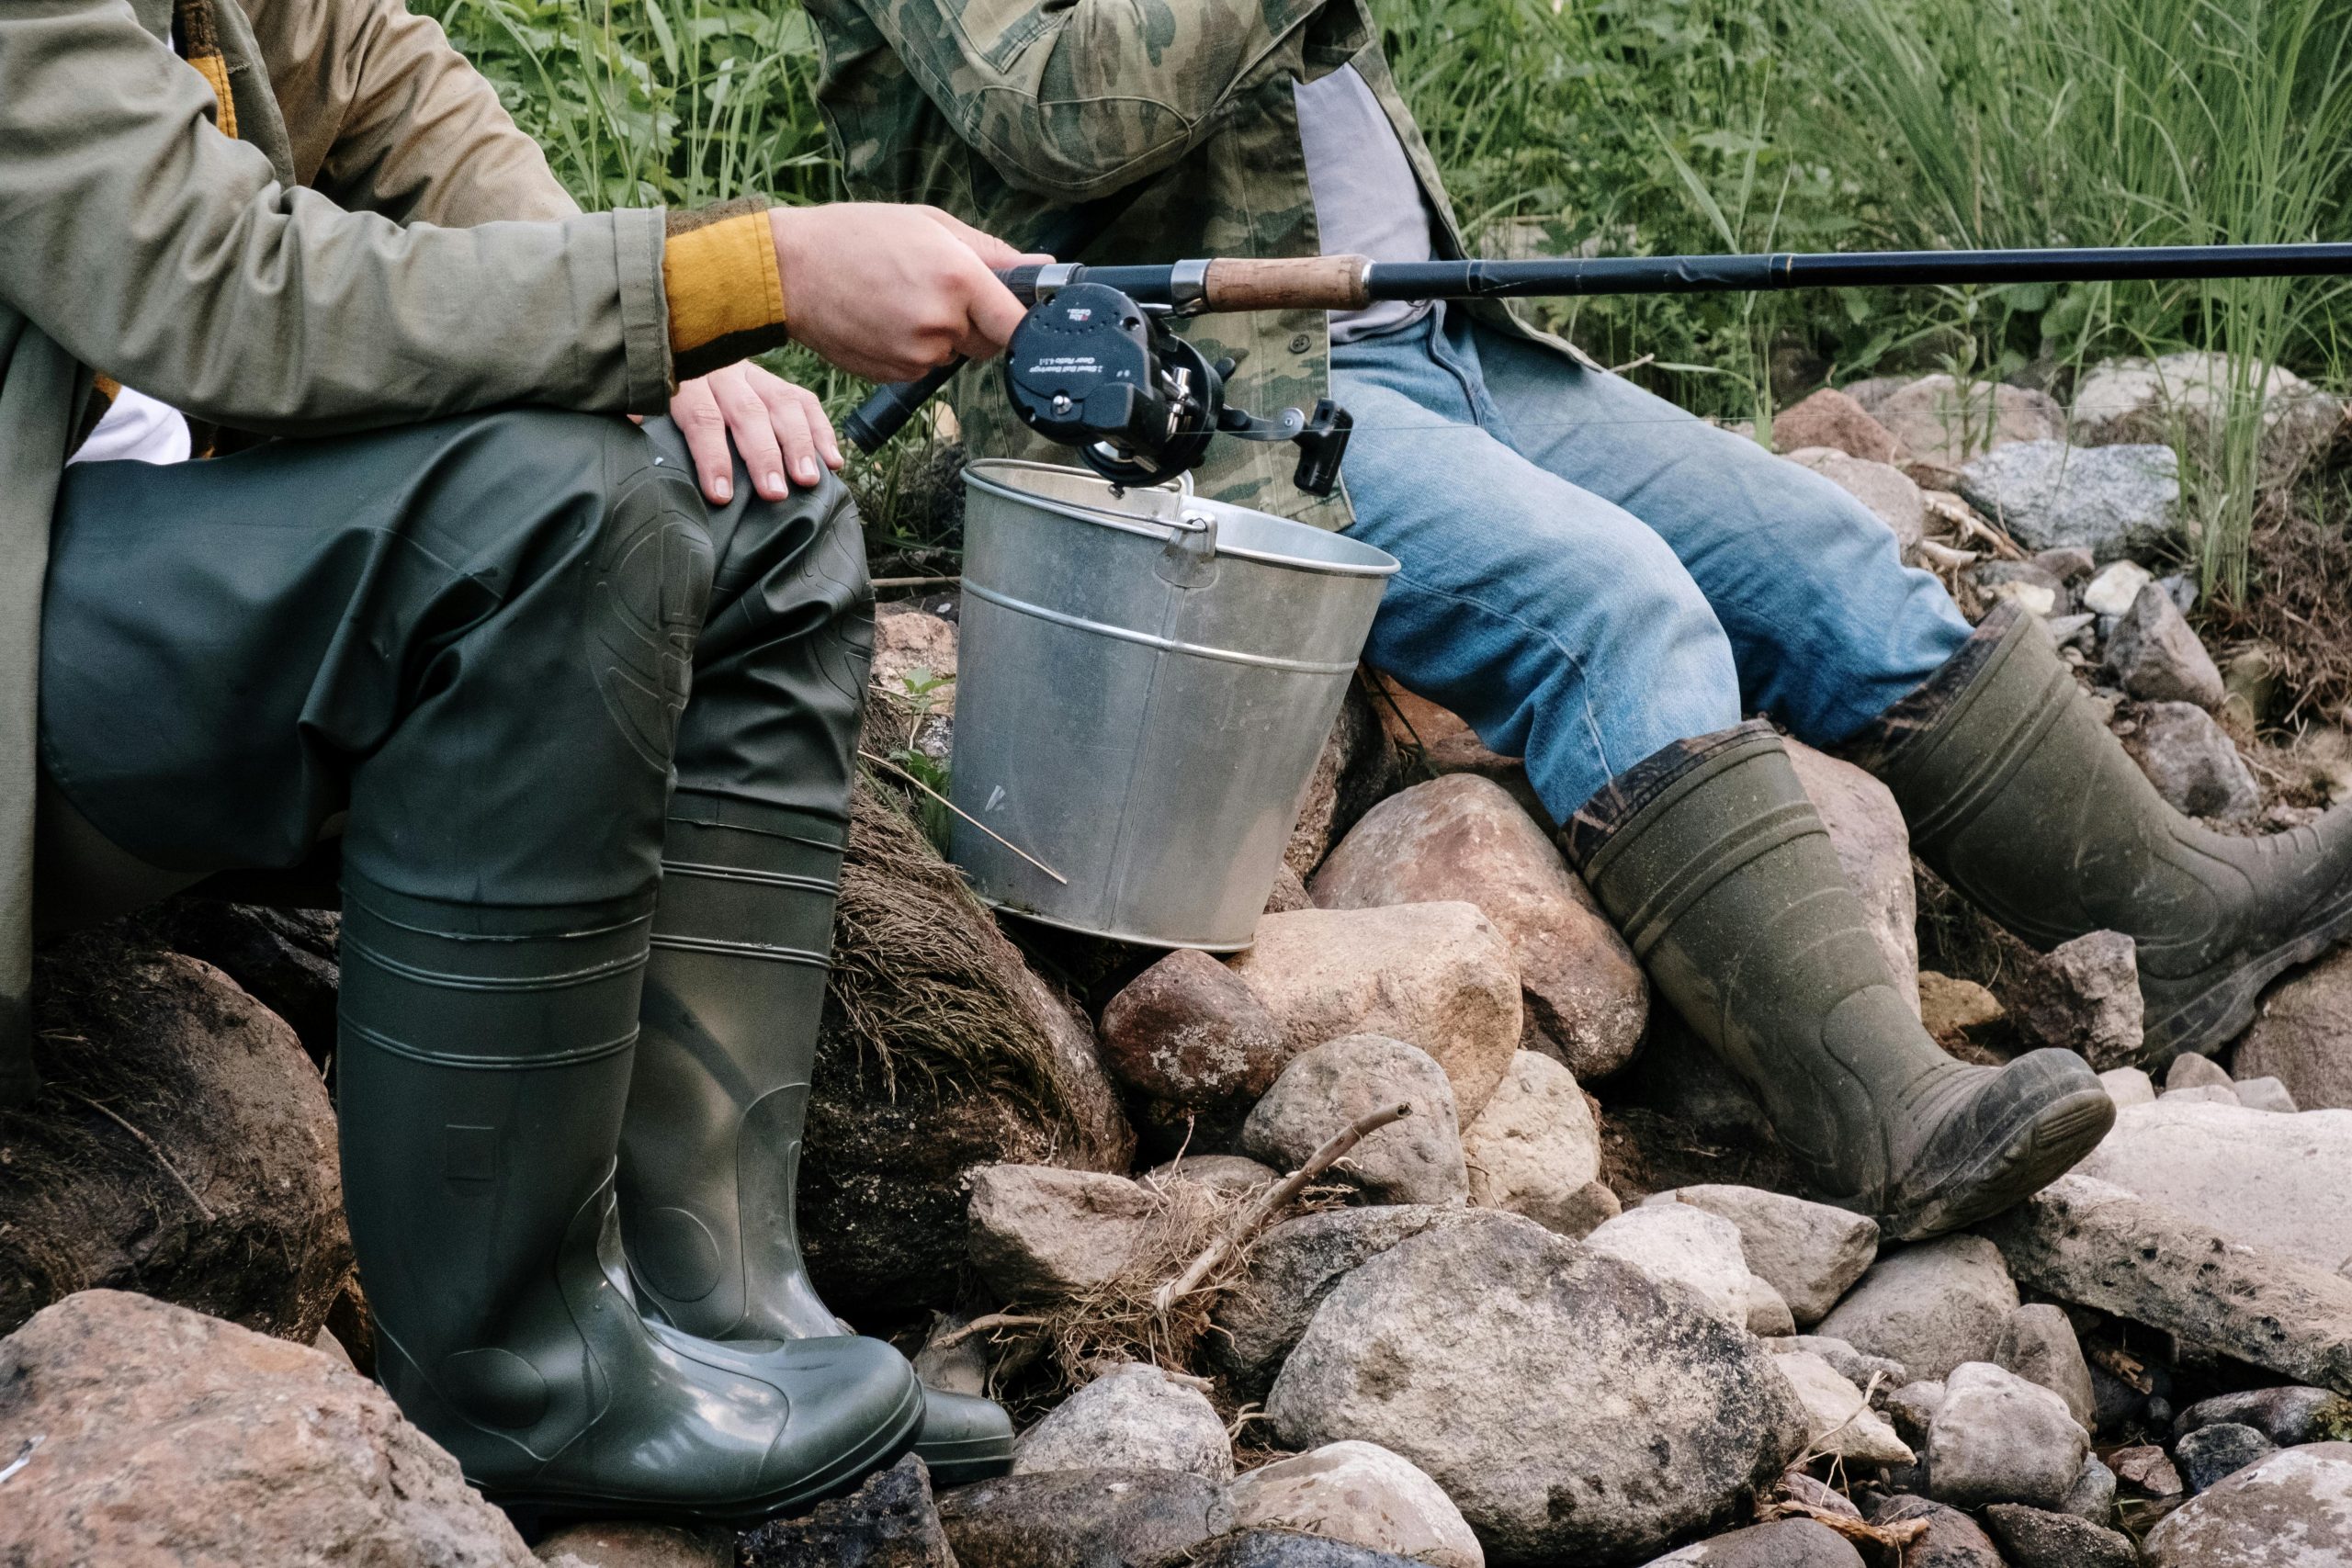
(1590, 574)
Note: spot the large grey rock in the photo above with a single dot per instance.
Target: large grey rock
(1952, 1538)
(2216, 1451)
(1810, 1253)
(1436, 975)
(2154, 655)
(1874, 850)
(1930, 1307)
(1535, 1150)
(1688, 1246)
(1358, 1493)
(2187, 398)
(1998, 1439)
(1285, 1549)
(2038, 1345)
(1323, 1091)
(1783, 1543)
(2299, 1033)
(2093, 1243)
(890, 1521)
(1943, 422)
(1463, 838)
(2111, 500)
(2084, 996)
(1134, 1416)
(1079, 1518)
(2036, 1538)
(1039, 1232)
(137, 1432)
(1569, 1406)
(1191, 1043)
(2289, 1417)
(1838, 1420)
(2280, 1182)
(2192, 762)
(1887, 491)
(2293, 1508)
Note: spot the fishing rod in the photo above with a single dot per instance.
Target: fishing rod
(1096, 365)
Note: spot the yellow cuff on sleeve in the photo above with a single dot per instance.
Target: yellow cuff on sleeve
(721, 281)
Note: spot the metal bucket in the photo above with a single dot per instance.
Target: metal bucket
(1144, 681)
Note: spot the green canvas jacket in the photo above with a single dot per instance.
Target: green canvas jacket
(332, 268)
(1004, 111)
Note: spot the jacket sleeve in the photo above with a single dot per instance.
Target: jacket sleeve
(1075, 99)
(385, 117)
(162, 253)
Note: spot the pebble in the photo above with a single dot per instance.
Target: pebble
(1355, 1491)
(1838, 1419)
(2084, 996)
(2154, 655)
(2192, 762)
(2214, 1452)
(1416, 1160)
(1536, 1149)
(1931, 1307)
(2289, 1417)
(1810, 1253)
(1952, 1540)
(1134, 1416)
(1078, 1518)
(1040, 1231)
(1998, 1439)
(2035, 1538)
(2115, 585)
(1688, 1246)
(2038, 1345)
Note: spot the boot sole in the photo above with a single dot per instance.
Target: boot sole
(2220, 1012)
(2008, 1171)
(535, 1513)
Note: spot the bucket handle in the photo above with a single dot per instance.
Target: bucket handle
(1190, 558)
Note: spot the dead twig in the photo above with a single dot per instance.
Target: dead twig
(1007, 843)
(983, 1324)
(882, 584)
(1272, 1201)
(152, 1148)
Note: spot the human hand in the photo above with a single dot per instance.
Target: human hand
(887, 292)
(779, 427)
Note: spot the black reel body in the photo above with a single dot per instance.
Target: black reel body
(1091, 369)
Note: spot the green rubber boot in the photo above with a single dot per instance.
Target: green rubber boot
(2020, 797)
(1716, 865)
(484, 1060)
(710, 1152)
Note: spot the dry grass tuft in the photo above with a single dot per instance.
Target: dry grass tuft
(2298, 597)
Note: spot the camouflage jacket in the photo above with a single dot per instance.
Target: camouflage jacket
(1005, 111)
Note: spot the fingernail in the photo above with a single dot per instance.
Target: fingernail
(807, 470)
(722, 488)
(775, 483)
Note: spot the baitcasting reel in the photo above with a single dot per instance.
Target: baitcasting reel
(1091, 369)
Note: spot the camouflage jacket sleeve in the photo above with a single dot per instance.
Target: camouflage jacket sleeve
(1076, 100)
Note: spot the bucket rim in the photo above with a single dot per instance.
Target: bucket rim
(980, 474)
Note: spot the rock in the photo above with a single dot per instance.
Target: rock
(1219, 1173)
(1998, 1439)
(2154, 655)
(2092, 1242)
(2264, 1094)
(1912, 1408)
(2289, 1417)
(1132, 1417)
(1949, 1006)
(1040, 1232)
(1783, 1543)
(227, 1197)
(139, 1432)
(1687, 1246)
(1875, 849)
(1463, 838)
(2252, 685)
(2128, 1086)
(1769, 1316)
(2186, 397)
(1940, 421)
(1291, 1267)
(2192, 1071)
(1810, 1253)
(2295, 1506)
(2038, 1345)
(2147, 1469)
(1416, 1160)
(1930, 1307)
(1078, 1518)
(2112, 590)
(1442, 742)
(1861, 1370)
(890, 1521)
(1436, 975)
(2092, 1496)
(1188, 1040)
(1355, 768)
(941, 1051)
(2111, 500)
(1289, 894)
(1886, 490)
(2033, 1538)
(2066, 563)
(2204, 1094)
(2084, 996)
(1566, 1403)
(1838, 1420)
(1534, 1149)
(1281, 1549)
(640, 1543)
(1829, 418)
(1357, 1493)
(1952, 1540)
(288, 960)
(2299, 1033)
(2280, 1182)
(914, 658)
(2212, 1453)
(2193, 762)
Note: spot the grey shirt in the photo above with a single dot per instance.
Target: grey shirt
(1367, 202)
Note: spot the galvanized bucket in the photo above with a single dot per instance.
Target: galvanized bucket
(1144, 681)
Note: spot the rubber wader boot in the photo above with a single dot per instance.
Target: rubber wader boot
(1720, 873)
(484, 1061)
(711, 1149)
(2021, 798)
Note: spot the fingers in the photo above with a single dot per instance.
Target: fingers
(993, 252)
(802, 430)
(754, 432)
(694, 408)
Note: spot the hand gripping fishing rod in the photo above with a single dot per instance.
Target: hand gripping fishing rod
(1095, 364)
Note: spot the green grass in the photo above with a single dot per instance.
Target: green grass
(1665, 126)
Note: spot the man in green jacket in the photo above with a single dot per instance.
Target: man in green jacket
(1604, 585)
(448, 617)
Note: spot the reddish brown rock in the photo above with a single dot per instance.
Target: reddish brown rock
(1356, 767)
(1191, 1043)
(1463, 838)
(2298, 1037)
(1830, 418)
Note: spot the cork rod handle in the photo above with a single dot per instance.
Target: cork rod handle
(1307, 283)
